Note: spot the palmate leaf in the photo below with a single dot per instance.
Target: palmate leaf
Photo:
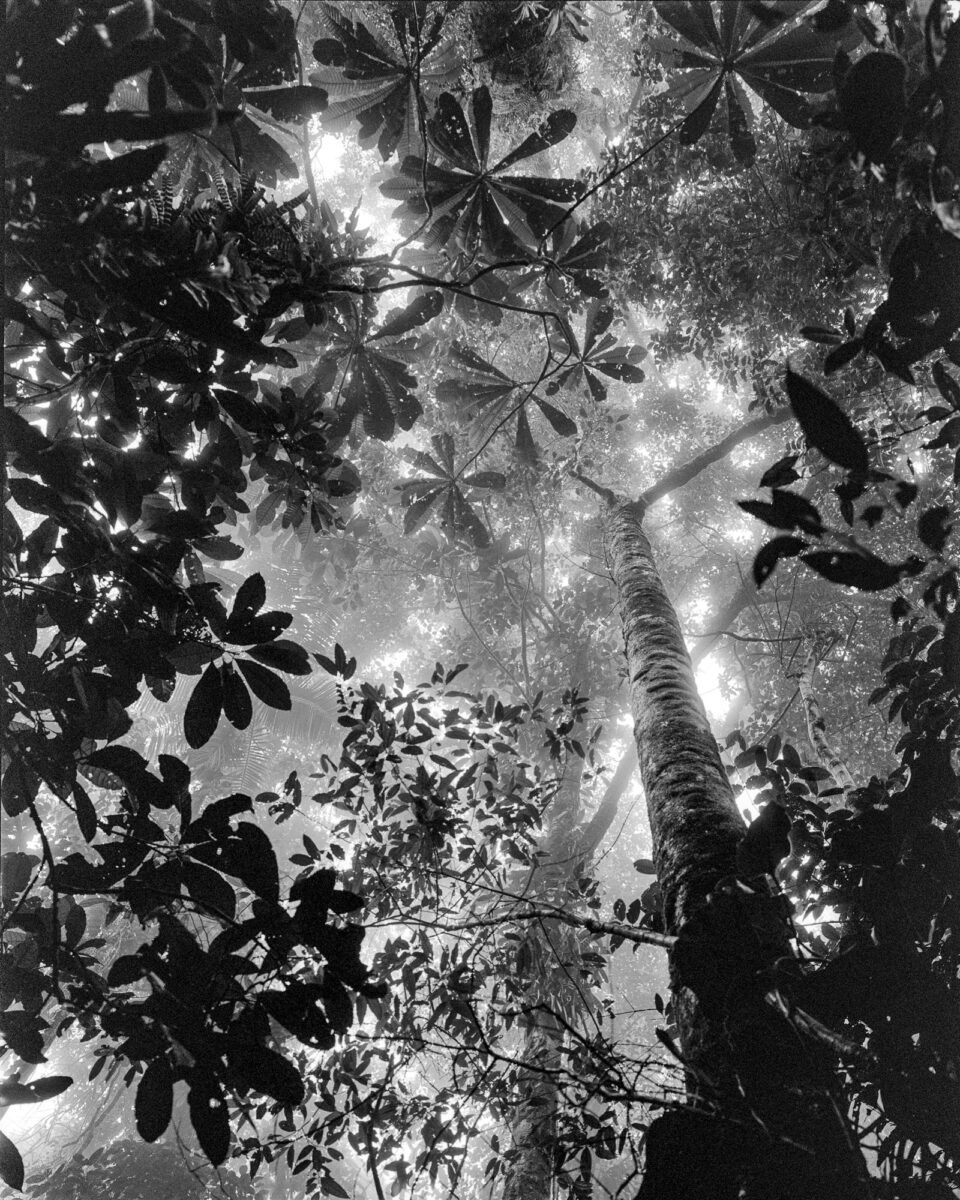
(475, 205)
(439, 492)
(483, 390)
(375, 84)
(599, 355)
(579, 254)
(375, 383)
(780, 60)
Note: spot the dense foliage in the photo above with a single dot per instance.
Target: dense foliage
(332, 942)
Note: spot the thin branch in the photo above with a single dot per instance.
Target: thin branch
(629, 933)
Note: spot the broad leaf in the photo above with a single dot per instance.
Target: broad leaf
(11, 1164)
(153, 1106)
(209, 1115)
(826, 426)
(202, 714)
(266, 685)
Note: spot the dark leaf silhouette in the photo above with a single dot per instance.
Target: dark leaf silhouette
(865, 571)
(266, 685)
(826, 426)
(34, 1092)
(786, 511)
(873, 103)
(153, 1106)
(294, 103)
(767, 558)
(11, 1164)
(266, 1071)
(209, 1115)
(202, 714)
(766, 842)
(283, 656)
(934, 527)
(237, 706)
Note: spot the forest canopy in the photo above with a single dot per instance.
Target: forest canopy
(480, 628)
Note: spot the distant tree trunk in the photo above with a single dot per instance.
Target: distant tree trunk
(826, 754)
(534, 1131)
(763, 1120)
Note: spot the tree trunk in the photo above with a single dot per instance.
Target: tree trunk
(827, 755)
(534, 1133)
(763, 1119)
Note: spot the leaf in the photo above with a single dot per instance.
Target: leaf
(561, 423)
(34, 1092)
(370, 79)
(265, 1071)
(474, 204)
(781, 473)
(172, 366)
(237, 706)
(417, 513)
(294, 103)
(769, 555)
(11, 1164)
(841, 355)
(18, 787)
(826, 426)
(950, 663)
(821, 334)
(486, 479)
(265, 685)
(243, 411)
(209, 890)
(873, 103)
(220, 549)
(190, 657)
(202, 714)
(865, 571)
(283, 655)
(947, 386)
(153, 1106)
(419, 311)
(765, 843)
(777, 65)
(209, 1115)
(85, 811)
(39, 131)
(127, 969)
(250, 598)
(934, 527)
(787, 510)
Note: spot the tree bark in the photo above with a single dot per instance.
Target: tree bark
(534, 1134)
(764, 1120)
(827, 755)
(693, 817)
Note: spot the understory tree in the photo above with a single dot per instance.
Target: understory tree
(355, 560)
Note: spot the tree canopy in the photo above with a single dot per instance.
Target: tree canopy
(401, 402)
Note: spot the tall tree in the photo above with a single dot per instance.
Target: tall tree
(201, 354)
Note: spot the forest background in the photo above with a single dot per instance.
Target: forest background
(451, 338)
